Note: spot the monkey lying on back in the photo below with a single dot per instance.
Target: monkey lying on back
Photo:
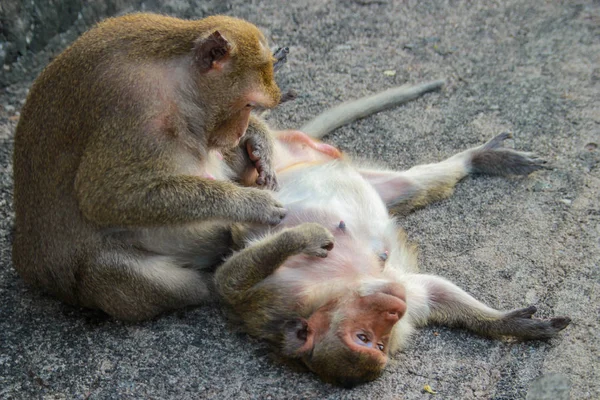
(340, 311)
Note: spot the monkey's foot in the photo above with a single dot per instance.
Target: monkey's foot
(303, 140)
(519, 323)
(493, 159)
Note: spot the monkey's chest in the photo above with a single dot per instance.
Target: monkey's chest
(212, 167)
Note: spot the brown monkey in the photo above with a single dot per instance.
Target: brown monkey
(124, 158)
(341, 311)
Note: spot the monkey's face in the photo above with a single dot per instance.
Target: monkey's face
(235, 76)
(348, 344)
(231, 127)
(368, 320)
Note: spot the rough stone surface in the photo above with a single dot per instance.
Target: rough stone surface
(29, 26)
(528, 67)
(549, 387)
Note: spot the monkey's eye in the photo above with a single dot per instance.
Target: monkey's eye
(380, 346)
(363, 338)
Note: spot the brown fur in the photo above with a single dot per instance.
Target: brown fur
(119, 189)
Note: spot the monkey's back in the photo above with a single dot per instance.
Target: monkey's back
(49, 141)
(78, 95)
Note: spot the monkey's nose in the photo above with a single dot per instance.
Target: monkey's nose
(393, 316)
(395, 313)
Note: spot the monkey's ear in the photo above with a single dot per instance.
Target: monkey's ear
(297, 338)
(211, 52)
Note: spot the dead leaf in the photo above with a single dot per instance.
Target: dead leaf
(429, 390)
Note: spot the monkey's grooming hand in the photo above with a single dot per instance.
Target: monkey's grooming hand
(261, 156)
(315, 239)
(258, 206)
(519, 323)
(493, 159)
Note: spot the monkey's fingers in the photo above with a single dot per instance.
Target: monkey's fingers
(266, 174)
(276, 214)
(265, 179)
(497, 141)
(519, 323)
(261, 207)
(318, 240)
(493, 159)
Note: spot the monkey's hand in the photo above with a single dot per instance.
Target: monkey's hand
(260, 154)
(259, 206)
(315, 239)
(260, 150)
(519, 323)
(493, 159)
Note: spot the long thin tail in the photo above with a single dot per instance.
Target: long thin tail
(352, 110)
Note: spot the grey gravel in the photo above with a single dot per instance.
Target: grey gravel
(529, 67)
(550, 387)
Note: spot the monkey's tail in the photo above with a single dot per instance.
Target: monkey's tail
(350, 111)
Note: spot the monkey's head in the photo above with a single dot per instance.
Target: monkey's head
(346, 343)
(235, 74)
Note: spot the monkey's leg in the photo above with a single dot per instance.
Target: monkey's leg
(200, 245)
(294, 148)
(255, 263)
(424, 184)
(135, 286)
(445, 303)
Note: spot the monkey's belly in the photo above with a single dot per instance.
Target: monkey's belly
(334, 186)
(336, 196)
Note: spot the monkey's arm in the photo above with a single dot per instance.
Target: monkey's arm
(132, 192)
(250, 266)
(350, 111)
(424, 184)
(447, 304)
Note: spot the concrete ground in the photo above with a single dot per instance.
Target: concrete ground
(531, 67)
